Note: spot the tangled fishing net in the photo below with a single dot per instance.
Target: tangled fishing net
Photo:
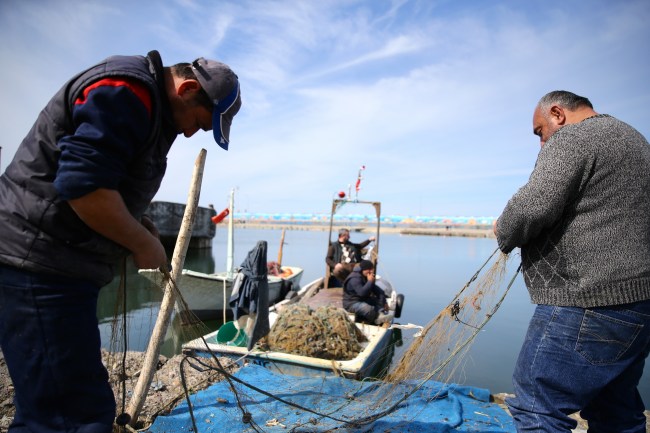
(325, 333)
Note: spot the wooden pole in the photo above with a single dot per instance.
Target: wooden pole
(280, 252)
(169, 297)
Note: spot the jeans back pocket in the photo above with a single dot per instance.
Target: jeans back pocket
(604, 339)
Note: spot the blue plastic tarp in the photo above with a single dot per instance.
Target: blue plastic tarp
(433, 407)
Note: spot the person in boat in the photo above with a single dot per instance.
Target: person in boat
(343, 255)
(363, 297)
(582, 222)
(72, 206)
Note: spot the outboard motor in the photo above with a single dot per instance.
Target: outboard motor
(394, 300)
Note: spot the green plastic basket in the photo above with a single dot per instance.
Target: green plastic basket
(230, 335)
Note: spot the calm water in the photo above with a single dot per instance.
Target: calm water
(428, 270)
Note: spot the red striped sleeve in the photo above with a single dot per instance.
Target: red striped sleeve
(138, 88)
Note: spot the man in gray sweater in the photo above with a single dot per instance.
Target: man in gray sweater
(583, 225)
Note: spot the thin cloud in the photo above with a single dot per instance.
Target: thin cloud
(435, 98)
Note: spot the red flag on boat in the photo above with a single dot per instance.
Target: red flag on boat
(357, 187)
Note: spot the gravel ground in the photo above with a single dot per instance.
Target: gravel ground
(165, 392)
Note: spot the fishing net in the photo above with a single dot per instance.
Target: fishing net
(325, 333)
(438, 352)
(167, 386)
(433, 356)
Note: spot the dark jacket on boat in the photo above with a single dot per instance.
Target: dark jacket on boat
(357, 289)
(39, 230)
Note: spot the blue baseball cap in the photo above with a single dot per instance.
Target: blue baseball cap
(222, 86)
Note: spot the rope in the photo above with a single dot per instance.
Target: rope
(429, 376)
(123, 418)
(246, 415)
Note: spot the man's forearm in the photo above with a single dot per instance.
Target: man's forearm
(104, 211)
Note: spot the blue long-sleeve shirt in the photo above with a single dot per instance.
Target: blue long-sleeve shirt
(112, 119)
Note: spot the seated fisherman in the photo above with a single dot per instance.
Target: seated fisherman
(343, 255)
(363, 298)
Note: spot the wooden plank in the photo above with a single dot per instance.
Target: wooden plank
(332, 296)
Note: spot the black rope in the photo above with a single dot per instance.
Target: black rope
(455, 310)
(246, 415)
(123, 418)
(229, 376)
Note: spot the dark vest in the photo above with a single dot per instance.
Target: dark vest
(354, 250)
(41, 233)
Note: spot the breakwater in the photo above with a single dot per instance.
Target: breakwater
(463, 230)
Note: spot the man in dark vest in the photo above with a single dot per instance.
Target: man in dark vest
(343, 255)
(72, 206)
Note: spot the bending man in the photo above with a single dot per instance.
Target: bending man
(71, 209)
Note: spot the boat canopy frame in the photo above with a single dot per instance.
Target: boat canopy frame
(336, 205)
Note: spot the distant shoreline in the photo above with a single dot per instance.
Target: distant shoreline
(462, 231)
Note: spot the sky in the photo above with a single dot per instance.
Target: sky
(433, 97)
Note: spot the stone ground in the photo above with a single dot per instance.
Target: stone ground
(166, 389)
(165, 392)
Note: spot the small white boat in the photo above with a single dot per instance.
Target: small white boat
(372, 360)
(207, 294)
(376, 351)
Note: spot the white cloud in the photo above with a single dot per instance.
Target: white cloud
(434, 97)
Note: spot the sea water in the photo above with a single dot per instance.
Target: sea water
(428, 270)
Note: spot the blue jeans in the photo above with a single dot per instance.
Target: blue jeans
(587, 360)
(366, 311)
(51, 343)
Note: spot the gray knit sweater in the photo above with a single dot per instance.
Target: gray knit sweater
(583, 219)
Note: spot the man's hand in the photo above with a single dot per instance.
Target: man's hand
(148, 223)
(104, 211)
(150, 254)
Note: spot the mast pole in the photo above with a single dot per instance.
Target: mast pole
(231, 236)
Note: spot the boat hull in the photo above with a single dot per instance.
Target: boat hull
(370, 362)
(206, 294)
(375, 356)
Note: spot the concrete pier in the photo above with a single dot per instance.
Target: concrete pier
(168, 217)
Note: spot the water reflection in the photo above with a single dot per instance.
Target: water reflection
(143, 298)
